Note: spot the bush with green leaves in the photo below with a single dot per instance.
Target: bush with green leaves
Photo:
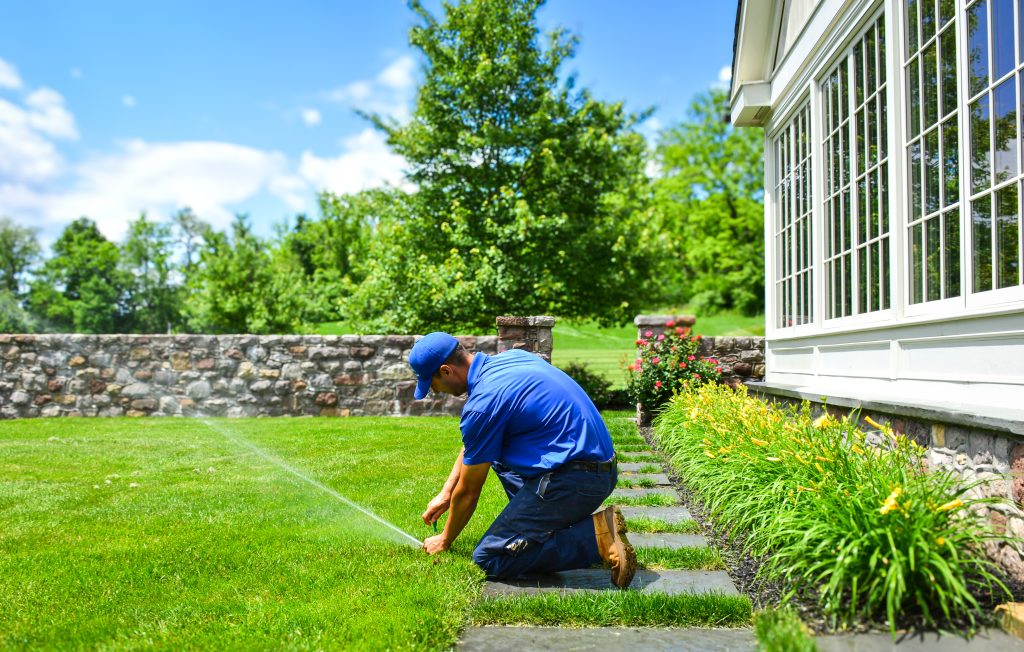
(866, 529)
(668, 362)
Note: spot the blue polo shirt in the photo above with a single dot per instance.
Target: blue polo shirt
(529, 415)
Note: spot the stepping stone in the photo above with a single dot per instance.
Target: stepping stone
(990, 640)
(659, 479)
(590, 580)
(560, 639)
(670, 540)
(642, 491)
(667, 514)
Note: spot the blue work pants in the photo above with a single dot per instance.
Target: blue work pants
(547, 525)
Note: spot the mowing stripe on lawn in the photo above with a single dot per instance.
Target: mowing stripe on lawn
(607, 608)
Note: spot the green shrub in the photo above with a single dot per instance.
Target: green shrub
(780, 630)
(865, 528)
(594, 384)
(668, 363)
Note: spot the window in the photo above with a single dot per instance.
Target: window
(994, 89)
(792, 232)
(855, 156)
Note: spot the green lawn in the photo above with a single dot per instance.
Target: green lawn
(124, 533)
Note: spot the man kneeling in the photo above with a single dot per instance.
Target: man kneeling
(548, 445)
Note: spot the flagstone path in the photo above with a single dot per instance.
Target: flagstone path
(671, 582)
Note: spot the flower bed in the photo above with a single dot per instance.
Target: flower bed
(864, 528)
(668, 363)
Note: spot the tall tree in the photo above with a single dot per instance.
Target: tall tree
(81, 287)
(146, 255)
(527, 190)
(19, 250)
(710, 198)
(238, 286)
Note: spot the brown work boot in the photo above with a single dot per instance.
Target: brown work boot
(610, 528)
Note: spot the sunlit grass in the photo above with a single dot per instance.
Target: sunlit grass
(698, 558)
(657, 525)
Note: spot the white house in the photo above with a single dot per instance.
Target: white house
(893, 190)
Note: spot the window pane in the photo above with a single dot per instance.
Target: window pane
(948, 71)
(977, 46)
(1004, 156)
(1002, 37)
(950, 163)
(932, 268)
(871, 132)
(883, 117)
(883, 213)
(861, 128)
(1007, 238)
(914, 163)
(847, 307)
(862, 281)
(873, 268)
(911, 27)
(981, 229)
(931, 171)
(946, 10)
(885, 274)
(880, 59)
(916, 253)
(980, 167)
(930, 86)
(862, 217)
(913, 81)
(927, 19)
(858, 72)
(951, 252)
(869, 49)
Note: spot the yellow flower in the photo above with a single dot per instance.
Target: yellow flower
(772, 459)
(953, 504)
(802, 488)
(821, 458)
(890, 502)
(818, 466)
(874, 424)
(940, 541)
(709, 454)
(758, 442)
(822, 421)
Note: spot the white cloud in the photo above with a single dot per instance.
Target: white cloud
(389, 93)
(311, 117)
(9, 76)
(159, 178)
(49, 116)
(365, 162)
(725, 74)
(27, 154)
(128, 101)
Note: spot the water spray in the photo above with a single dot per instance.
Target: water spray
(413, 541)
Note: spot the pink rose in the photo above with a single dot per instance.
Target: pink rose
(655, 360)
(648, 333)
(691, 358)
(657, 384)
(641, 342)
(661, 337)
(670, 324)
(682, 365)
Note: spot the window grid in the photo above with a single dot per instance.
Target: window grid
(793, 233)
(995, 89)
(856, 260)
(932, 149)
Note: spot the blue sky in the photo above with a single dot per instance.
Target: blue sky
(111, 108)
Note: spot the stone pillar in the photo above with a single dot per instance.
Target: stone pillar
(656, 323)
(531, 334)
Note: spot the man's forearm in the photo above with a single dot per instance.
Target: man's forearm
(464, 500)
(453, 477)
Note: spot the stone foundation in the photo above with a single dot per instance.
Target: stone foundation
(231, 375)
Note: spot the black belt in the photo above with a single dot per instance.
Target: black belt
(589, 465)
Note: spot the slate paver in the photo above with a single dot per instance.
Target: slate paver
(992, 640)
(659, 479)
(640, 492)
(667, 514)
(649, 639)
(589, 580)
(670, 540)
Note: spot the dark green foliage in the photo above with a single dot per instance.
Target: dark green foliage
(780, 630)
(710, 198)
(153, 302)
(528, 191)
(594, 384)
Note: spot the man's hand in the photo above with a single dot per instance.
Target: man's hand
(435, 544)
(436, 507)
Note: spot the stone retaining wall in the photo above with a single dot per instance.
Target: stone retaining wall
(231, 375)
(741, 358)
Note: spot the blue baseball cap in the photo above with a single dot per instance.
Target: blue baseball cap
(427, 356)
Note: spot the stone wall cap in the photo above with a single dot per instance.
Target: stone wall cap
(543, 321)
(659, 320)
